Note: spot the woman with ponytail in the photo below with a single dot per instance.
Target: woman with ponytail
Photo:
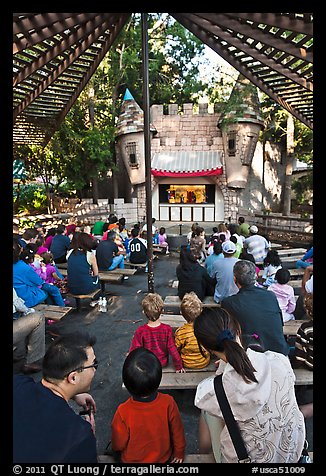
(260, 388)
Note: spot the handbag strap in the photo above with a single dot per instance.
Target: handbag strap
(230, 421)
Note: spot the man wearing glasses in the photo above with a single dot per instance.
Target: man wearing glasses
(45, 427)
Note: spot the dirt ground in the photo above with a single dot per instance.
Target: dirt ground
(114, 331)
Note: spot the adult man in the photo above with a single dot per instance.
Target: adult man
(107, 253)
(257, 245)
(60, 244)
(243, 227)
(45, 428)
(138, 248)
(256, 309)
(222, 270)
(28, 335)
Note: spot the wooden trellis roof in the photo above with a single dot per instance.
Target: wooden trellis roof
(55, 54)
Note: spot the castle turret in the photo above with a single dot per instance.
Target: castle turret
(241, 124)
(130, 138)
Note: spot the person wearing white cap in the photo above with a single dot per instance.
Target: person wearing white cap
(223, 272)
(257, 245)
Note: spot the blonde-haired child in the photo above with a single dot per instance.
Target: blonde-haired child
(155, 335)
(185, 340)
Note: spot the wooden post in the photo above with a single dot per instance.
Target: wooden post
(289, 165)
(147, 140)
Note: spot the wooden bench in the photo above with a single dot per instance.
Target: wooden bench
(175, 301)
(295, 273)
(115, 276)
(171, 380)
(177, 320)
(49, 311)
(138, 265)
(159, 249)
(290, 328)
(79, 297)
(291, 251)
(195, 458)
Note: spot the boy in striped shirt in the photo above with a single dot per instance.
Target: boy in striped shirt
(186, 342)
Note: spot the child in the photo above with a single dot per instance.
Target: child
(36, 262)
(272, 263)
(147, 428)
(52, 276)
(162, 239)
(155, 335)
(198, 244)
(185, 340)
(284, 293)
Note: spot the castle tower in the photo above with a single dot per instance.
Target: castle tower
(240, 125)
(130, 139)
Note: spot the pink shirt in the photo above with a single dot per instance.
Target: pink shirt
(285, 296)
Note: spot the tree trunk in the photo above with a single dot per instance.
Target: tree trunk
(95, 190)
(289, 165)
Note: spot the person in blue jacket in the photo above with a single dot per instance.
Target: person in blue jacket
(307, 259)
(29, 286)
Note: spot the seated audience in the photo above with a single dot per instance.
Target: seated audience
(29, 286)
(46, 429)
(198, 244)
(162, 239)
(222, 269)
(257, 245)
(137, 248)
(303, 357)
(192, 356)
(307, 259)
(216, 255)
(28, 336)
(271, 263)
(256, 384)
(192, 276)
(243, 227)
(146, 428)
(108, 256)
(284, 293)
(60, 245)
(82, 269)
(256, 309)
(155, 335)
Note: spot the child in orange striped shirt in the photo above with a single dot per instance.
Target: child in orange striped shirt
(185, 340)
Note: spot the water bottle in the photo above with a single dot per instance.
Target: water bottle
(100, 304)
(104, 305)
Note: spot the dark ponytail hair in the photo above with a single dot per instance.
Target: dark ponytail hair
(216, 330)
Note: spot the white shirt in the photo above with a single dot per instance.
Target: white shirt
(267, 412)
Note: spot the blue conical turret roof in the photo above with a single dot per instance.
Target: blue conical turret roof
(128, 96)
(131, 117)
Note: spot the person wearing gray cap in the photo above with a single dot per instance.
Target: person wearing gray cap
(257, 245)
(222, 270)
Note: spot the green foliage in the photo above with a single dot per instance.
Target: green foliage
(29, 198)
(302, 187)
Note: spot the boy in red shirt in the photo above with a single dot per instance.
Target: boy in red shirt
(147, 428)
(155, 335)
